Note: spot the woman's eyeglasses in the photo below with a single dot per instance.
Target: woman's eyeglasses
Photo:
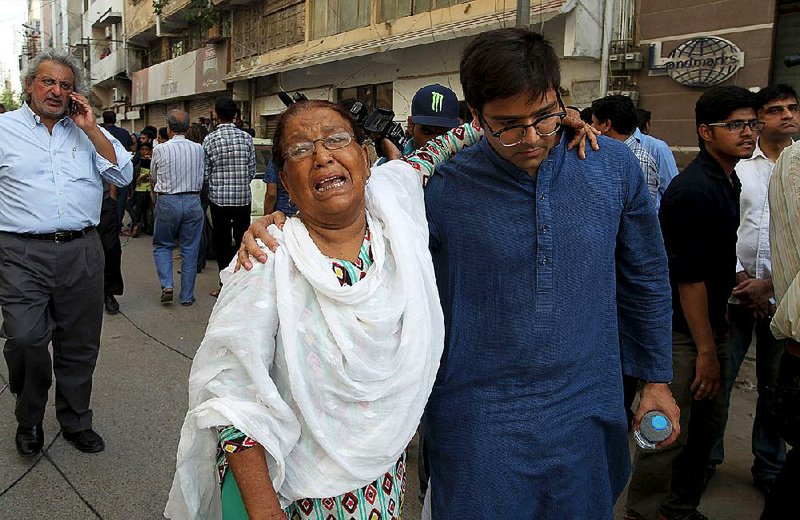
(306, 149)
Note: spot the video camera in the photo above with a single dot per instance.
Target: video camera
(378, 123)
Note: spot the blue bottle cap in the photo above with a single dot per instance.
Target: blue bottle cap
(659, 422)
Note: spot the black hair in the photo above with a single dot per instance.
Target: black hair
(226, 108)
(278, 157)
(776, 92)
(717, 104)
(620, 110)
(508, 62)
(109, 117)
(146, 144)
(150, 131)
(196, 133)
(643, 118)
(586, 115)
(464, 113)
(162, 132)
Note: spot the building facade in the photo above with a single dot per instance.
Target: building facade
(689, 46)
(184, 55)
(109, 59)
(382, 51)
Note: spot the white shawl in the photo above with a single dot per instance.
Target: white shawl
(330, 380)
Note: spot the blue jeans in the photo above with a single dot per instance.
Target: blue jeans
(769, 451)
(178, 217)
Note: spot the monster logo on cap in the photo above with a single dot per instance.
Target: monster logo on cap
(435, 105)
(436, 101)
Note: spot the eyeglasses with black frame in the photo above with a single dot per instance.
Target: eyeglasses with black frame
(738, 126)
(304, 149)
(544, 126)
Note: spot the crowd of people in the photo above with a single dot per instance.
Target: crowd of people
(519, 285)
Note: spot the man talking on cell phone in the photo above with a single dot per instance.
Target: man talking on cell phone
(54, 160)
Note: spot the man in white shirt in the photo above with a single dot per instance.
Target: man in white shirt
(752, 303)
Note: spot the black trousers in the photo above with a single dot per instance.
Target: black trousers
(229, 224)
(51, 291)
(112, 249)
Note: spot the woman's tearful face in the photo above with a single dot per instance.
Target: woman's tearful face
(327, 186)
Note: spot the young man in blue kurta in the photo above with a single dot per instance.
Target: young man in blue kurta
(553, 279)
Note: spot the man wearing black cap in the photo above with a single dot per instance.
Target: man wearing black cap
(434, 111)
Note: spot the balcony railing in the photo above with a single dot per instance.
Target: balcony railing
(108, 67)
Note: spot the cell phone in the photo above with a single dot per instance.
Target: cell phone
(72, 107)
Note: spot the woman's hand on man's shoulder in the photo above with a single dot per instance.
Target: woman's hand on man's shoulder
(258, 230)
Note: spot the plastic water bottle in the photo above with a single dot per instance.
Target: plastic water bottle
(654, 428)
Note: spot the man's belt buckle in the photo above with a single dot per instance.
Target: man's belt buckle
(63, 236)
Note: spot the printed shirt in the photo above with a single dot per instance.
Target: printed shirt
(230, 165)
(648, 165)
(784, 202)
(53, 182)
(177, 166)
(752, 248)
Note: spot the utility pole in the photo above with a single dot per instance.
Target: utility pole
(524, 13)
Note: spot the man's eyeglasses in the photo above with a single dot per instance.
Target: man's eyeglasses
(50, 83)
(305, 149)
(738, 126)
(512, 135)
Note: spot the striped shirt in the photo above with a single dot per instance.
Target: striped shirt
(177, 166)
(784, 206)
(648, 165)
(230, 165)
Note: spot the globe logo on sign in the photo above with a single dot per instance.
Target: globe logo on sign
(703, 62)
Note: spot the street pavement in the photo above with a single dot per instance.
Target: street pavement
(139, 401)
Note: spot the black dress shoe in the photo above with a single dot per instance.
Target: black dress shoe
(112, 305)
(87, 441)
(29, 441)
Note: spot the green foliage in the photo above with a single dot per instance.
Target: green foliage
(9, 99)
(201, 14)
(159, 5)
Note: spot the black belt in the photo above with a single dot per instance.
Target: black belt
(58, 236)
